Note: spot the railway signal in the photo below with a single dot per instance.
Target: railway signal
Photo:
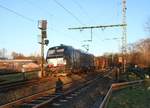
(42, 25)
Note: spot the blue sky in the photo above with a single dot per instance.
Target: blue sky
(22, 35)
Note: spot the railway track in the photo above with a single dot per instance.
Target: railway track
(71, 92)
(19, 84)
(62, 100)
(23, 83)
(50, 99)
(11, 104)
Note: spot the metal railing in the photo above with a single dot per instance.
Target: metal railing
(106, 99)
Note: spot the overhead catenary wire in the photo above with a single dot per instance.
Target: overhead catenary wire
(62, 33)
(42, 9)
(56, 30)
(118, 11)
(68, 11)
(16, 13)
(82, 9)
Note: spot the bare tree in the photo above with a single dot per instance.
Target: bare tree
(17, 55)
(14, 55)
(140, 53)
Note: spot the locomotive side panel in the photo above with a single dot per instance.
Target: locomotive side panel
(66, 59)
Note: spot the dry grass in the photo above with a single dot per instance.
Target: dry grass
(135, 97)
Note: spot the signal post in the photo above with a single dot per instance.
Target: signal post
(42, 25)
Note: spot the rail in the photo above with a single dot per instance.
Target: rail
(118, 86)
(40, 94)
(40, 102)
(19, 101)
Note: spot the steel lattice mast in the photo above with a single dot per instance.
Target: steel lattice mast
(124, 35)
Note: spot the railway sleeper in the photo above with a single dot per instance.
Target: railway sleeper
(60, 102)
(68, 98)
(63, 100)
(27, 105)
(74, 94)
(39, 101)
(57, 99)
(82, 91)
(56, 104)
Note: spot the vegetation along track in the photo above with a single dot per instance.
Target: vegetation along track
(118, 86)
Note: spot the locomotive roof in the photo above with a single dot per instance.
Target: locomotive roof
(60, 46)
(67, 46)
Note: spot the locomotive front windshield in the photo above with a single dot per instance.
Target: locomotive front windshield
(51, 52)
(55, 52)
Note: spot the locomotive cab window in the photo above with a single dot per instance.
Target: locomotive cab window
(60, 50)
(50, 52)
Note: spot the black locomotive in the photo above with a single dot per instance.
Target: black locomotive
(66, 59)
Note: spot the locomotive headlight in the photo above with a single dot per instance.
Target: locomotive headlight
(64, 61)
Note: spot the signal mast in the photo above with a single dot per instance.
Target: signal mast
(42, 25)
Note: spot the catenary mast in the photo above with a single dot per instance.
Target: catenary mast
(124, 35)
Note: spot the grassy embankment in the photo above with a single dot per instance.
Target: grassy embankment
(135, 97)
